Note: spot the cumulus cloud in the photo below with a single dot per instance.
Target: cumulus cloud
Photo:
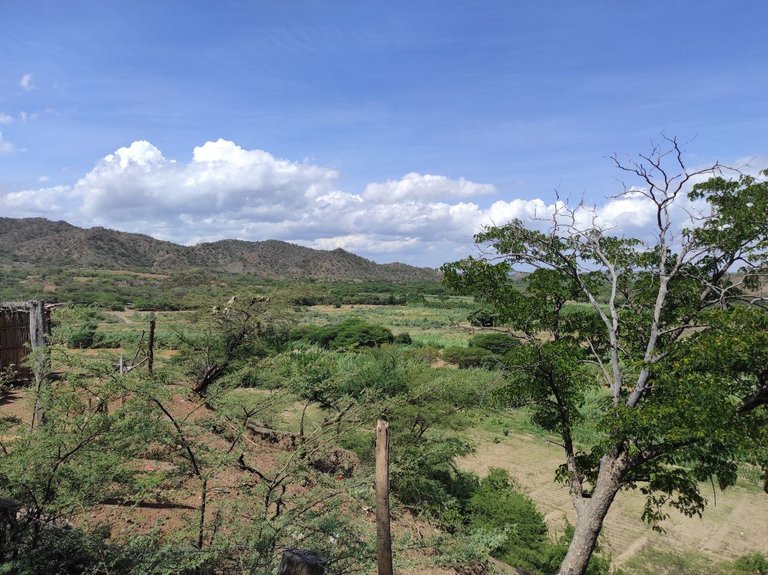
(26, 82)
(5, 118)
(137, 183)
(417, 187)
(41, 202)
(226, 191)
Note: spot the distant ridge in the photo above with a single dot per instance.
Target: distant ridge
(38, 240)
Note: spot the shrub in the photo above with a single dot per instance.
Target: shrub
(497, 504)
(403, 339)
(83, 336)
(467, 357)
(499, 343)
(350, 333)
(752, 564)
(483, 318)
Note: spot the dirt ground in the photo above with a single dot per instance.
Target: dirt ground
(734, 523)
(177, 509)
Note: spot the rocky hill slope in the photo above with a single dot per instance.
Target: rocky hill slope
(37, 240)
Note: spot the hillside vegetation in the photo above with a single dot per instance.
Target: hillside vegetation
(40, 241)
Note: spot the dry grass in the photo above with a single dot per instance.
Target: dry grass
(732, 525)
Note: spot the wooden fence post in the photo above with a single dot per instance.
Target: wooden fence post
(151, 345)
(37, 332)
(300, 562)
(383, 534)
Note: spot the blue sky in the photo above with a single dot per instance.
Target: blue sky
(392, 129)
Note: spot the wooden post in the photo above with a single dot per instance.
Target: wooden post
(151, 345)
(383, 534)
(37, 343)
(121, 367)
(300, 562)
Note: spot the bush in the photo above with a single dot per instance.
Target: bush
(752, 564)
(483, 318)
(467, 357)
(497, 504)
(498, 343)
(403, 339)
(350, 333)
(82, 337)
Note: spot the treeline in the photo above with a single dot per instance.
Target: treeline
(185, 290)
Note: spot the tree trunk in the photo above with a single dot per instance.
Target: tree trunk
(201, 512)
(591, 514)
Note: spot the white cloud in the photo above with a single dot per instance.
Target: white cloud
(363, 243)
(426, 187)
(226, 191)
(45, 202)
(5, 118)
(26, 82)
(224, 180)
(5, 146)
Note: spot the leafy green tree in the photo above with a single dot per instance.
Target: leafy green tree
(674, 330)
(75, 457)
(224, 340)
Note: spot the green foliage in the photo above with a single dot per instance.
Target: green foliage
(498, 504)
(403, 339)
(468, 357)
(669, 329)
(752, 564)
(465, 551)
(498, 343)
(7, 377)
(350, 333)
(484, 318)
(225, 340)
(83, 337)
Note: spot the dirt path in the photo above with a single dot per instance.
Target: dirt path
(737, 524)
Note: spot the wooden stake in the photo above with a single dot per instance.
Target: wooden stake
(383, 534)
(151, 351)
(121, 366)
(39, 360)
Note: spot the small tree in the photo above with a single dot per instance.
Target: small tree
(225, 338)
(673, 329)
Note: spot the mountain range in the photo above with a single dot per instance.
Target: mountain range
(42, 241)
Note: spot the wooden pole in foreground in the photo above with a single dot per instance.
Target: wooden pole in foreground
(151, 347)
(383, 534)
(37, 332)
